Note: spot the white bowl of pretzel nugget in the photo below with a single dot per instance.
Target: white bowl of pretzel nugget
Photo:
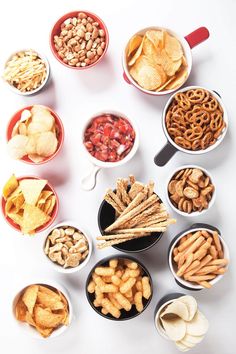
(190, 190)
(42, 309)
(26, 72)
(198, 257)
(67, 247)
(119, 287)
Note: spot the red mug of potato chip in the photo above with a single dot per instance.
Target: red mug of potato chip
(35, 135)
(194, 120)
(109, 139)
(29, 204)
(158, 61)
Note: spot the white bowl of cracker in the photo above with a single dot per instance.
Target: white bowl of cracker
(67, 247)
(26, 72)
(190, 190)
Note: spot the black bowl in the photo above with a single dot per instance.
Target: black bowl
(106, 217)
(125, 315)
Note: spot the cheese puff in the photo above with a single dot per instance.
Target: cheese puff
(138, 284)
(129, 295)
(126, 286)
(96, 303)
(104, 311)
(138, 301)
(104, 271)
(131, 264)
(119, 273)
(106, 303)
(114, 301)
(109, 288)
(107, 279)
(113, 263)
(98, 295)
(125, 303)
(125, 275)
(115, 280)
(146, 288)
(134, 273)
(91, 287)
(99, 282)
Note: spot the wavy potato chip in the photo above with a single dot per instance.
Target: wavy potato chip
(134, 43)
(179, 79)
(30, 296)
(156, 37)
(17, 146)
(170, 67)
(136, 55)
(146, 74)
(46, 144)
(173, 47)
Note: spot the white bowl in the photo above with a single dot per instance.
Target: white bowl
(89, 181)
(25, 328)
(29, 93)
(58, 267)
(195, 213)
(173, 265)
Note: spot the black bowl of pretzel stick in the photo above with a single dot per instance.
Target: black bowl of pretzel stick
(119, 287)
(198, 257)
(131, 218)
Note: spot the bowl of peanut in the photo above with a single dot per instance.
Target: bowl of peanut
(79, 40)
(67, 247)
(119, 287)
(190, 190)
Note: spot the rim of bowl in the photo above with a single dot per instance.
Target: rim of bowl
(128, 157)
(59, 268)
(72, 14)
(220, 138)
(59, 124)
(28, 93)
(184, 282)
(105, 260)
(195, 213)
(24, 326)
(186, 49)
(43, 227)
(117, 246)
(157, 321)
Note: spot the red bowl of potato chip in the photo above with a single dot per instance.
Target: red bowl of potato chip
(30, 206)
(35, 139)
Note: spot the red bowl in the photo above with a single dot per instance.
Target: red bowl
(54, 213)
(56, 30)
(16, 117)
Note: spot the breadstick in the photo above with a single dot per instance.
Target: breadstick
(203, 262)
(116, 236)
(175, 251)
(113, 204)
(123, 193)
(205, 233)
(185, 265)
(123, 219)
(112, 242)
(132, 179)
(199, 254)
(142, 216)
(136, 187)
(112, 195)
(182, 240)
(217, 241)
(150, 188)
(141, 229)
(135, 202)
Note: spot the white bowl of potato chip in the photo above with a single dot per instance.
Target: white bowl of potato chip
(190, 190)
(67, 247)
(42, 310)
(35, 135)
(26, 72)
(158, 61)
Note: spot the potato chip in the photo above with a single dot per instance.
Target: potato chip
(25, 115)
(15, 129)
(46, 144)
(30, 296)
(146, 74)
(31, 144)
(33, 218)
(50, 301)
(36, 158)
(31, 189)
(17, 146)
(134, 43)
(41, 115)
(179, 79)
(175, 328)
(20, 311)
(173, 47)
(10, 186)
(137, 54)
(156, 37)
(36, 128)
(45, 318)
(170, 67)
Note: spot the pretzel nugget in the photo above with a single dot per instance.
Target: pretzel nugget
(104, 271)
(107, 304)
(146, 287)
(115, 280)
(125, 303)
(126, 286)
(113, 263)
(138, 301)
(91, 287)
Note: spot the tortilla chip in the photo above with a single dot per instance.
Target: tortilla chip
(20, 311)
(43, 197)
(10, 186)
(17, 218)
(31, 189)
(50, 301)
(45, 318)
(33, 218)
(30, 297)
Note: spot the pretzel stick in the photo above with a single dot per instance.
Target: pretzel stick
(207, 270)
(203, 262)
(182, 240)
(192, 266)
(185, 265)
(202, 250)
(205, 284)
(194, 246)
(188, 242)
(220, 271)
(213, 252)
(217, 241)
(221, 262)
(197, 278)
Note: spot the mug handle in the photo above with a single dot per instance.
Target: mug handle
(207, 226)
(126, 78)
(165, 154)
(89, 182)
(198, 36)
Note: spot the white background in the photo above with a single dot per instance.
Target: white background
(77, 95)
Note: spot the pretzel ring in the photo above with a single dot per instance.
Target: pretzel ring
(193, 133)
(195, 96)
(205, 141)
(201, 117)
(179, 140)
(196, 145)
(207, 96)
(219, 131)
(216, 120)
(174, 132)
(183, 101)
(211, 105)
